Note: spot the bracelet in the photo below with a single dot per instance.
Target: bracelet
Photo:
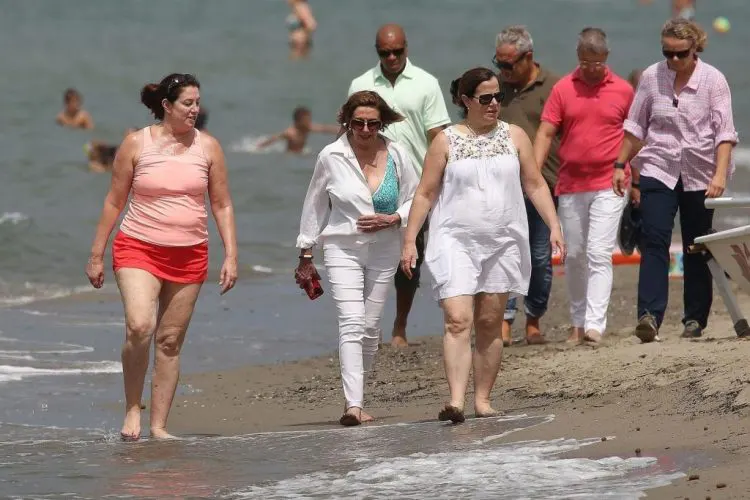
(619, 165)
(636, 185)
(306, 257)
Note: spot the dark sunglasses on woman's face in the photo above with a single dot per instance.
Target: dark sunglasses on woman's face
(485, 99)
(387, 53)
(679, 54)
(358, 124)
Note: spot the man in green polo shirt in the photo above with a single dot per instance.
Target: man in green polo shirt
(415, 94)
(526, 86)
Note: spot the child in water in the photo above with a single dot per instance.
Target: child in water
(73, 115)
(296, 135)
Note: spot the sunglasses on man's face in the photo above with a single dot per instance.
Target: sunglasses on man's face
(679, 54)
(485, 99)
(359, 124)
(387, 53)
(507, 66)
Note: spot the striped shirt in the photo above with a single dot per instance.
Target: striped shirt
(681, 132)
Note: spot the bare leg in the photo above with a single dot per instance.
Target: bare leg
(488, 316)
(457, 312)
(404, 300)
(139, 290)
(176, 303)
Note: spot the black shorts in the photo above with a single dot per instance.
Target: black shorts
(401, 280)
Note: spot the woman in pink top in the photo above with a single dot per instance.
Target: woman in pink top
(160, 254)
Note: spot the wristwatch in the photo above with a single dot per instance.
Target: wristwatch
(619, 164)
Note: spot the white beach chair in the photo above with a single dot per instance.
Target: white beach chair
(728, 253)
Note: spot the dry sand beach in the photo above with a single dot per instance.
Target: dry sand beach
(678, 398)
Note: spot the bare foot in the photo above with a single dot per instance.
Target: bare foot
(364, 417)
(399, 341)
(131, 427)
(486, 411)
(161, 434)
(576, 335)
(453, 413)
(351, 417)
(507, 333)
(592, 336)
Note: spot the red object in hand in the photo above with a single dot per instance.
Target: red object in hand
(313, 288)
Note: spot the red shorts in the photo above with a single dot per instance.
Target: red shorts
(177, 264)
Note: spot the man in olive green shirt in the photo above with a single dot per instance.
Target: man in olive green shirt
(416, 95)
(526, 87)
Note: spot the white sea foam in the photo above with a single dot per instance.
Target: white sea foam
(13, 218)
(16, 373)
(34, 292)
(529, 469)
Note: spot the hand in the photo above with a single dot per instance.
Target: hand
(618, 182)
(376, 222)
(635, 196)
(558, 244)
(228, 276)
(717, 186)
(95, 271)
(409, 258)
(305, 272)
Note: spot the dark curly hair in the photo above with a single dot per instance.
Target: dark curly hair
(169, 88)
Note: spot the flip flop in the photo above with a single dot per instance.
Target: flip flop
(452, 413)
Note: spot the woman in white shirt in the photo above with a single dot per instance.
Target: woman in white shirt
(358, 199)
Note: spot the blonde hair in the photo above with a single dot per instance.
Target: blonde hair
(684, 29)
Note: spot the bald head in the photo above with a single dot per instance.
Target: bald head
(390, 43)
(392, 33)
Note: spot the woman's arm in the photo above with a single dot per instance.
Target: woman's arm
(117, 196)
(223, 211)
(429, 186)
(315, 210)
(407, 184)
(533, 182)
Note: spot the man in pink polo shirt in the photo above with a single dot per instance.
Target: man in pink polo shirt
(589, 107)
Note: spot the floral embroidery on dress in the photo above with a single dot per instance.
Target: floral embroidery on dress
(495, 143)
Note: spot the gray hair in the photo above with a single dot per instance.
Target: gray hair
(593, 40)
(518, 36)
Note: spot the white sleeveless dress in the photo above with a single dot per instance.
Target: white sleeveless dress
(478, 234)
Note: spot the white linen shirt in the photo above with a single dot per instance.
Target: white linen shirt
(339, 194)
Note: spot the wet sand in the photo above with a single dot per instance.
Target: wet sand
(675, 399)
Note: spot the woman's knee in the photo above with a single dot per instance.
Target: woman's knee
(458, 323)
(139, 329)
(169, 341)
(489, 321)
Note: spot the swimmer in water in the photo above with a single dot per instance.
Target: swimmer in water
(684, 9)
(296, 135)
(73, 115)
(301, 25)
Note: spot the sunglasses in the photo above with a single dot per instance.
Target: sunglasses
(359, 124)
(679, 54)
(591, 64)
(507, 66)
(485, 99)
(179, 81)
(387, 53)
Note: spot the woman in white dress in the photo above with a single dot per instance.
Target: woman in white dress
(477, 250)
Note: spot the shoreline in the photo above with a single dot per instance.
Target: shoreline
(679, 398)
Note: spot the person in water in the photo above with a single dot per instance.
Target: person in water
(301, 25)
(296, 134)
(72, 114)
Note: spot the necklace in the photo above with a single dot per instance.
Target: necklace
(475, 133)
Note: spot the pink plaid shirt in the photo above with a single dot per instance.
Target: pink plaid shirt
(681, 132)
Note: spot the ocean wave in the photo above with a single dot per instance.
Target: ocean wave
(13, 218)
(531, 467)
(15, 373)
(33, 292)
